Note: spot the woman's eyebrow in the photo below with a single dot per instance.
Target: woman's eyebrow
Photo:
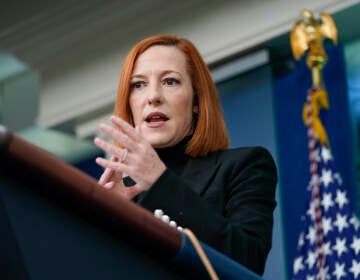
(139, 76)
(161, 73)
(170, 72)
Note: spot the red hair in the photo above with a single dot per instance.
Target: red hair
(210, 132)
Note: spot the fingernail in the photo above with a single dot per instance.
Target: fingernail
(102, 126)
(117, 120)
(109, 185)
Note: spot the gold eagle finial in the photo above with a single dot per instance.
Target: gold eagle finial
(308, 34)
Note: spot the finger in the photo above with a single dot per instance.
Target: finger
(109, 185)
(127, 128)
(118, 136)
(110, 164)
(108, 173)
(137, 130)
(109, 148)
(105, 177)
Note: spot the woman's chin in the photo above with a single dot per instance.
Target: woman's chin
(158, 141)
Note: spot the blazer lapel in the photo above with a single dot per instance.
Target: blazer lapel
(199, 172)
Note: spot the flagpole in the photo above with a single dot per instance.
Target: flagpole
(308, 36)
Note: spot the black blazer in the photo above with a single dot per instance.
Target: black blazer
(226, 198)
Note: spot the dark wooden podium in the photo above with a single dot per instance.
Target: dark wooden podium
(57, 223)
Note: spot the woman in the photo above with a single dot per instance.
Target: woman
(172, 142)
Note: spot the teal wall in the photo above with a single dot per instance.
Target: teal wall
(19, 108)
(19, 89)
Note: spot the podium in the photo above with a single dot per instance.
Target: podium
(58, 223)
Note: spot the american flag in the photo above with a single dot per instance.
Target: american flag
(329, 246)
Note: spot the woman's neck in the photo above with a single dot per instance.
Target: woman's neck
(174, 156)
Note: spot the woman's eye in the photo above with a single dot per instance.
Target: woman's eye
(137, 84)
(171, 81)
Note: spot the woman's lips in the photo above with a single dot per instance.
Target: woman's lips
(155, 124)
(156, 119)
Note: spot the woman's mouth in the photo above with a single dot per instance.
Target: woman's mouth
(156, 119)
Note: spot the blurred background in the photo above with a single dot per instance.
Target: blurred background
(60, 64)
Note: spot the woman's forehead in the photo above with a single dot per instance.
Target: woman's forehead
(161, 58)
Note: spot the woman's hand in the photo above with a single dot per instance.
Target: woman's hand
(113, 179)
(137, 158)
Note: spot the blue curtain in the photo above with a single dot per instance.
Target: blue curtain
(289, 95)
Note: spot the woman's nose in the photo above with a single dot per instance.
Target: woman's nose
(155, 96)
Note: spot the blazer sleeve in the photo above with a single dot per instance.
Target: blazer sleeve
(242, 226)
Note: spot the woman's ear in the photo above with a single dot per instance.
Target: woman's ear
(195, 102)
